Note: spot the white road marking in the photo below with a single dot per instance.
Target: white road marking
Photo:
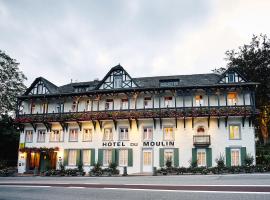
(198, 185)
(33, 186)
(74, 187)
(188, 191)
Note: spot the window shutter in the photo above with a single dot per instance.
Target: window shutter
(176, 157)
(130, 157)
(161, 157)
(66, 157)
(92, 157)
(117, 156)
(243, 155)
(113, 156)
(194, 155)
(228, 156)
(100, 156)
(209, 157)
(78, 157)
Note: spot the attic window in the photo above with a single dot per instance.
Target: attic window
(231, 78)
(169, 83)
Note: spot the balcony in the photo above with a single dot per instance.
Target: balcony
(201, 140)
(181, 112)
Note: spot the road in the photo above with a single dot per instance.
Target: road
(246, 186)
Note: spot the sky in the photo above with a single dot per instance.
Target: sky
(64, 40)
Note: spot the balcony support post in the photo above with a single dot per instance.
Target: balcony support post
(137, 123)
(176, 122)
(249, 121)
(192, 122)
(226, 121)
(154, 122)
(243, 121)
(34, 126)
(218, 121)
(130, 123)
(94, 124)
(64, 126)
(184, 122)
(48, 126)
(115, 124)
(100, 124)
(208, 120)
(160, 123)
(80, 125)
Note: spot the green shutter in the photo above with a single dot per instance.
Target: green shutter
(194, 155)
(209, 157)
(66, 157)
(228, 156)
(117, 156)
(100, 156)
(113, 156)
(92, 156)
(130, 157)
(176, 157)
(243, 155)
(78, 157)
(161, 157)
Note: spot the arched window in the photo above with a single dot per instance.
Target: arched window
(200, 130)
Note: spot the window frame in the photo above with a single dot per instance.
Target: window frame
(74, 150)
(61, 133)
(38, 138)
(89, 156)
(109, 158)
(69, 134)
(200, 151)
(239, 158)
(147, 127)
(173, 136)
(169, 150)
(110, 138)
(119, 133)
(90, 130)
(170, 101)
(240, 134)
(125, 159)
(32, 135)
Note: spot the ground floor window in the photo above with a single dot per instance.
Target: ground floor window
(235, 156)
(72, 156)
(168, 156)
(201, 157)
(107, 157)
(123, 157)
(147, 158)
(86, 156)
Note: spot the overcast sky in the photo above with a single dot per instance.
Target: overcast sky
(82, 40)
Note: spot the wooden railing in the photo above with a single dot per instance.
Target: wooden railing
(201, 140)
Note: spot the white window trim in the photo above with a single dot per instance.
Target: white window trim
(240, 133)
(173, 133)
(147, 127)
(205, 161)
(38, 141)
(119, 133)
(236, 149)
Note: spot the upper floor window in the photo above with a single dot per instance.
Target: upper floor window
(88, 105)
(199, 100)
(39, 88)
(168, 133)
(168, 101)
(200, 130)
(87, 135)
(33, 108)
(147, 102)
(232, 98)
(74, 106)
(44, 107)
(108, 134)
(56, 136)
(73, 135)
(28, 136)
(60, 108)
(123, 134)
(124, 104)
(41, 135)
(118, 81)
(147, 133)
(234, 132)
(109, 104)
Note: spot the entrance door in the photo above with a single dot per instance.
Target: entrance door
(147, 160)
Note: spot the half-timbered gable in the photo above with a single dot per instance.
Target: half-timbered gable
(232, 76)
(41, 86)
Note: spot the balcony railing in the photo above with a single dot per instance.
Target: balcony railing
(201, 140)
(138, 114)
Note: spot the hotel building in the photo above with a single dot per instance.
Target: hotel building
(139, 123)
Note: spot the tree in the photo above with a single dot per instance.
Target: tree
(11, 83)
(253, 62)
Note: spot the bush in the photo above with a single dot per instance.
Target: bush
(193, 163)
(249, 160)
(96, 170)
(168, 163)
(220, 161)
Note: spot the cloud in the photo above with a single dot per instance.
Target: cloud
(63, 40)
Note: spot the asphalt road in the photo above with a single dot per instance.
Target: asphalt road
(246, 186)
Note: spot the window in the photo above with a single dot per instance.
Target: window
(86, 156)
(147, 158)
(147, 133)
(56, 136)
(123, 134)
(41, 136)
(234, 132)
(147, 102)
(169, 83)
(107, 157)
(28, 136)
(235, 157)
(168, 101)
(123, 157)
(72, 156)
(109, 104)
(73, 135)
(201, 157)
(168, 133)
(232, 98)
(108, 135)
(231, 77)
(87, 135)
(118, 81)
(199, 100)
(124, 104)
(39, 89)
(88, 105)
(44, 107)
(74, 106)
(168, 155)
(200, 130)
(60, 108)
(33, 108)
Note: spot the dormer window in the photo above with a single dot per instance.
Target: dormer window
(109, 104)
(232, 98)
(169, 83)
(199, 100)
(118, 81)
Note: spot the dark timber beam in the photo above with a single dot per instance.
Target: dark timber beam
(80, 125)
(34, 126)
(48, 126)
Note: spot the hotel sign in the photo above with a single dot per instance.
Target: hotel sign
(145, 144)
